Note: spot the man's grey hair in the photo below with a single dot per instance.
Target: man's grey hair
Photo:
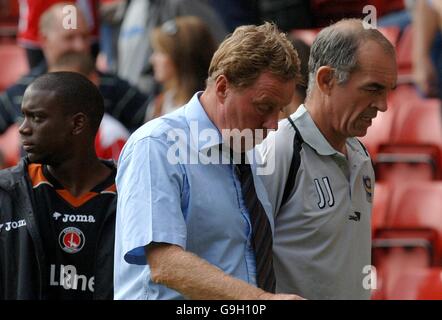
(337, 47)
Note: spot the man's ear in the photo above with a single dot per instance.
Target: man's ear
(221, 87)
(325, 79)
(79, 121)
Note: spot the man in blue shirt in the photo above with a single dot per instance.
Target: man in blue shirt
(183, 227)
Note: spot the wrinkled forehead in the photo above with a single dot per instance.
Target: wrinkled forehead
(377, 63)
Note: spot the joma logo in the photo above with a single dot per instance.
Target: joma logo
(11, 225)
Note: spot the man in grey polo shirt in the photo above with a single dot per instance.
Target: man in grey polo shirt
(322, 239)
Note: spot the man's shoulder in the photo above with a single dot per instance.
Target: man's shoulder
(10, 176)
(358, 146)
(163, 128)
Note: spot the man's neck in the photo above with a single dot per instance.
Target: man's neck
(336, 140)
(80, 175)
(208, 101)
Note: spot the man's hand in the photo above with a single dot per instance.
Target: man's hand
(279, 296)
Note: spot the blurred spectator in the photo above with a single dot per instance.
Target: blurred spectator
(122, 101)
(300, 94)
(182, 50)
(28, 27)
(235, 13)
(427, 47)
(111, 135)
(111, 16)
(142, 16)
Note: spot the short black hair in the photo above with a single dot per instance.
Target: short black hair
(74, 93)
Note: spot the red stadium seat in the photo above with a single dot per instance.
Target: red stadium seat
(13, 64)
(411, 235)
(418, 206)
(397, 249)
(415, 147)
(10, 147)
(381, 201)
(416, 284)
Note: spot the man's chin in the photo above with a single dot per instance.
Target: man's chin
(35, 158)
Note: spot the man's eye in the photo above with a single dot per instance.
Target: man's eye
(373, 89)
(37, 118)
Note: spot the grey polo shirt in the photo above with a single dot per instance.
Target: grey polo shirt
(322, 233)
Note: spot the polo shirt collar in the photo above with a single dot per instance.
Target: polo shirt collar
(198, 119)
(314, 137)
(310, 132)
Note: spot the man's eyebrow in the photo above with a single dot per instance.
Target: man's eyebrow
(374, 85)
(34, 110)
(263, 100)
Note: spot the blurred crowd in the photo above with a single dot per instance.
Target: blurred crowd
(149, 57)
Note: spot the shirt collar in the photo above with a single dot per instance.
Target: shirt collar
(314, 137)
(203, 131)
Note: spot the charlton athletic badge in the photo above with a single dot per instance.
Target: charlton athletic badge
(71, 240)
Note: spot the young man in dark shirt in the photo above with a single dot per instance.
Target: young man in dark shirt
(57, 207)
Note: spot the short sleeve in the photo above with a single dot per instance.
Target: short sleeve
(149, 199)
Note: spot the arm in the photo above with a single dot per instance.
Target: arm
(197, 279)
(425, 24)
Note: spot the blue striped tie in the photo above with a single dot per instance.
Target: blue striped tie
(261, 231)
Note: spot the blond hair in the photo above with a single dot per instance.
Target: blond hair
(251, 50)
(187, 40)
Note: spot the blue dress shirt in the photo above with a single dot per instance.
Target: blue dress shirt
(180, 201)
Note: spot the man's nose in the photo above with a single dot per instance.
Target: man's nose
(24, 128)
(381, 104)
